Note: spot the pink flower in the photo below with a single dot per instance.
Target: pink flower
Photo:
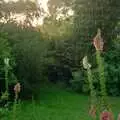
(118, 116)
(106, 115)
(17, 88)
(98, 41)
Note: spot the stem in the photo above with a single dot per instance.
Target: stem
(14, 109)
(91, 86)
(100, 62)
(6, 78)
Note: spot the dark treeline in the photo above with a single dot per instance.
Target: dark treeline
(55, 49)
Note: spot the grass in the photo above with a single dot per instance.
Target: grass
(58, 104)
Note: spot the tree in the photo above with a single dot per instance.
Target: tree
(30, 51)
(29, 9)
(91, 15)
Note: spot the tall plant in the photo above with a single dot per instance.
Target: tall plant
(93, 99)
(98, 43)
(7, 67)
(5, 51)
(104, 106)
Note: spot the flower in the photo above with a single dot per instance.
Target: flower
(118, 117)
(98, 41)
(86, 65)
(17, 89)
(106, 115)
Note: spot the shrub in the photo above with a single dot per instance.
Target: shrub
(112, 58)
(7, 77)
(78, 81)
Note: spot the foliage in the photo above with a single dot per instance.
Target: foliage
(4, 112)
(4, 46)
(62, 41)
(94, 14)
(111, 70)
(7, 76)
(57, 29)
(56, 6)
(87, 66)
(30, 51)
(102, 79)
(88, 16)
(78, 81)
(113, 74)
(29, 10)
(5, 51)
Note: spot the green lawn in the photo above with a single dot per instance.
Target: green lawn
(57, 104)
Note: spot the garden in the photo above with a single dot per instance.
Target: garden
(59, 60)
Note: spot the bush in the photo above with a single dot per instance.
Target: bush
(112, 58)
(6, 52)
(78, 82)
(30, 51)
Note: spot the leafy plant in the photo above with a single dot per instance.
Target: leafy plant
(7, 63)
(93, 99)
